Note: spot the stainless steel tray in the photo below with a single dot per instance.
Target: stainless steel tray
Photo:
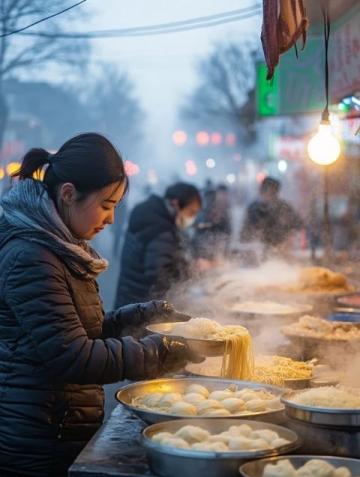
(319, 416)
(256, 468)
(126, 395)
(201, 346)
(172, 462)
(299, 310)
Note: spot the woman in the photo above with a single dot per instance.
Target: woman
(56, 346)
(153, 257)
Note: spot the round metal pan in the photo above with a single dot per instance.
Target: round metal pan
(201, 346)
(256, 468)
(173, 462)
(299, 310)
(127, 394)
(320, 416)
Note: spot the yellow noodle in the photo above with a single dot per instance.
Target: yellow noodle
(238, 359)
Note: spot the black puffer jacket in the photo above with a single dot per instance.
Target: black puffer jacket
(153, 256)
(53, 362)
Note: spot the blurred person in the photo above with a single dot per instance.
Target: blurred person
(270, 220)
(57, 347)
(154, 256)
(212, 234)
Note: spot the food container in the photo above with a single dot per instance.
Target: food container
(127, 394)
(173, 462)
(329, 417)
(256, 468)
(201, 370)
(204, 347)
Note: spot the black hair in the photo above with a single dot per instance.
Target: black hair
(184, 193)
(89, 161)
(269, 183)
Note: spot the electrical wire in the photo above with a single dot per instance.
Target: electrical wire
(325, 12)
(159, 29)
(41, 20)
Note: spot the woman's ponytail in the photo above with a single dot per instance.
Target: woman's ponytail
(34, 160)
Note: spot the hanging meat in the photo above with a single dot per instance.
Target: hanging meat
(284, 22)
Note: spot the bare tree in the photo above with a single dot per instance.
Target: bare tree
(226, 90)
(28, 53)
(115, 108)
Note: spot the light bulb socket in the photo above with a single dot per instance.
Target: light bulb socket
(325, 117)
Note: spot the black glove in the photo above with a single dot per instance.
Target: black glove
(172, 354)
(132, 319)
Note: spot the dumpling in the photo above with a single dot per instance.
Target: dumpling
(255, 405)
(316, 468)
(223, 437)
(282, 468)
(342, 472)
(240, 443)
(246, 395)
(152, 399)
(194, 398)
(216, 413)
(160, 436)
(279, 442)
(175, 442)
(192, 434)
(198, 389)
(233, 404)
(210, 446)
(242, 430)
(265, 434)
(259, 444)
(221, 395)
(169, 399)
(273, 403)
(183, 408)
(208, 404)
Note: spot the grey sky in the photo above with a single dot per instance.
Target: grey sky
(162, 66)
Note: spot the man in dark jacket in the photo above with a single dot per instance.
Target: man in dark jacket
(270, 220)
(153, 256)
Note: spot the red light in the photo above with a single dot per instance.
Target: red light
(260, 176)
(190, 168)
(216, 138)
(230, 139)
(179, 138)
(202, 138)
(131, 168)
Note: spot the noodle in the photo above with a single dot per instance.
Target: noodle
(238, 358)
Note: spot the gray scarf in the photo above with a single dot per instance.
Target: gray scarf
(29, 214)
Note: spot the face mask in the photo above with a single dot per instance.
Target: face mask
(187, 222)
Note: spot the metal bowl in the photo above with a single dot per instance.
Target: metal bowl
(173, 462)
(299, 309)
(197, 369)
(127, 394)
(204, 347)
(329, 417)
(256, 468)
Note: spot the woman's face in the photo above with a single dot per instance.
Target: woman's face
(87, 217)
(187, 215)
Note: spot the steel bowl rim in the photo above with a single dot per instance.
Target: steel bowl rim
(302, 308)
(323, 410)
(147, 442)
(168, 335)
(270, 459)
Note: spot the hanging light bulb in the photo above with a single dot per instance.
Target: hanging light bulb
(324, 147)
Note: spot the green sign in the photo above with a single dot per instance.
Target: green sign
(298, 84)
(267, 92)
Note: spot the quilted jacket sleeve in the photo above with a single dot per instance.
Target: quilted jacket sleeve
(37, 292)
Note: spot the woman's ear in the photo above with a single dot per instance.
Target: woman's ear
(67, 193)
(175, 204)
